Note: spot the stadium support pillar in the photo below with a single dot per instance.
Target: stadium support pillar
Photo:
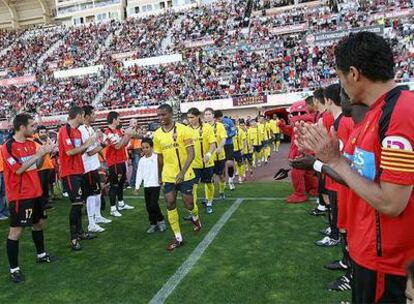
(13, 14)
(45, 10)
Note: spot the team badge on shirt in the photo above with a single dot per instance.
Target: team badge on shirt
(11, 161)
(68, 141)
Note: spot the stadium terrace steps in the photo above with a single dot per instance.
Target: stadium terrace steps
(98, 98)
(51, 50)
(5, 50)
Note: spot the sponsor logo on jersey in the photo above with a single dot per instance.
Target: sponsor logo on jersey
(397, 142)
(364, 163)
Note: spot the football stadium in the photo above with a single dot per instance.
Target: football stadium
(206, 151)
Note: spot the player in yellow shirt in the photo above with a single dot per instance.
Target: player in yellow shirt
(256, 138)
(248, 150)
(239, 142)
(219, 155)
(204, 147)
(276, 133)
(174, 144)
(269, 133)
(265, 138)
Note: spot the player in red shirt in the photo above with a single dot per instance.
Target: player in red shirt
(21, 158)
(357, 113)
(116, 157)
(71, 149)
(343, 127)
(381, 174)
(319, 108)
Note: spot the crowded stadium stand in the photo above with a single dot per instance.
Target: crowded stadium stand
(225, 50)
(98, 96)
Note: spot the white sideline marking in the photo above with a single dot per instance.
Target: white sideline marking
(188, 264)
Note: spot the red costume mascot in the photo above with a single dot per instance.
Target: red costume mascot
(304, 182)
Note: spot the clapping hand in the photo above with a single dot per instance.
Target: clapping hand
(315, 137)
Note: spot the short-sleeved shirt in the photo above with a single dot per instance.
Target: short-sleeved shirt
(47, 159)
(230, 130)
(173, 147)
(343, 191)
(275, 126)
(254, 136)
(24, 186)
(328, 120)
(91, 163)
(239, 139)
(249, 145)
(384, 152)
(203, 138)
(343, 127)
(269, 129)
(115, 156)
(221, 134)
(135, 144)
(69, 139)
(262, 131)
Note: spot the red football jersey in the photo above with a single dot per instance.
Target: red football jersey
(384, 152)
(343, 191)
(69, 139)
(343, 127)
(327, 119)
(26, 185)
(114, 156)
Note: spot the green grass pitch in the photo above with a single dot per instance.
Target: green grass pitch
(263, 254)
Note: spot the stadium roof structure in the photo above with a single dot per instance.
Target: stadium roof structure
(23, 13)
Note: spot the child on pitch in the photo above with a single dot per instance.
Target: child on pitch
(147, 172)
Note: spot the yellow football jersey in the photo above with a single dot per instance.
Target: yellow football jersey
(239, 139)
(254, 136)
(249, 145)
(269, 129)
(172, 145)
(220, 132)
(274, 124)
(277, 129)
(203, 137)
(262, 131)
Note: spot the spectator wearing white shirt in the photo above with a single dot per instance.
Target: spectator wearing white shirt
(148, 173)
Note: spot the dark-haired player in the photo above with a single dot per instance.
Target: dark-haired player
(174, 144)
(219, 155)
(116, 157)
(71, 148)
(381, 173)
(46, 170)
(204, 147)
(343, 128)
(321, 114)
(92, 164)
(240, 146)
(22, 157)
(228, 147)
